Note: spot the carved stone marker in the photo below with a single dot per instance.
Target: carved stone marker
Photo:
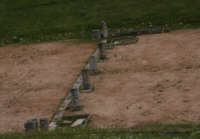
(87, 87)
(31, 125)
(44, 123)
(104, 30)
(93, 65)
(96, 34)
(102, 55)
(75, 100)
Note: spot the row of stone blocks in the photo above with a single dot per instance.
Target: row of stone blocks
(86, 83)
(93, 69)
(99, 34)
(72, 101)
(33, 125)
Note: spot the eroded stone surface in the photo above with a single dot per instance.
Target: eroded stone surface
(102, 51)
(86, 81)
(75, 103)
(93, 65)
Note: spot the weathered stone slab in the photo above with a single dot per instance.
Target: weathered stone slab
(78, 122)
(141, 32)
(67, 122)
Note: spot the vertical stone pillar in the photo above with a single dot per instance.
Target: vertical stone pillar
(102, 53)
(75, 100)
(44, 123)
(93, 65)
(104, 30)
(31, 125)
(165, 29)
(96, 34)
(86, 81)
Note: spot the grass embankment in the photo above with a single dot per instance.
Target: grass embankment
(156, 131)
(28, 21)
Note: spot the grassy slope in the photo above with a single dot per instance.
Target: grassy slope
(148, 132)
(35, 20)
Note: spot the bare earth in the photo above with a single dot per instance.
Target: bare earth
(155, 80)
(35, 78)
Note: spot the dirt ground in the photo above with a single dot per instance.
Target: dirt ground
(35, 78)
(155, 80)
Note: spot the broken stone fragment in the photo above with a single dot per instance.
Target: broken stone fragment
(78, 122)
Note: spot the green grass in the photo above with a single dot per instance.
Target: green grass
(156, 131)
(25, 21)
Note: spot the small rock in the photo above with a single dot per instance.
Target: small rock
(78, 122)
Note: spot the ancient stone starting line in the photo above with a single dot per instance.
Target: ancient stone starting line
(82, 83)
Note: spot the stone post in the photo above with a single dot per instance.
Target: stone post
(86, 81)
(93, 65)
(102, 55)
(96, 34)
(31, 125)
(75, 100)
(104, 30)
(44, 123)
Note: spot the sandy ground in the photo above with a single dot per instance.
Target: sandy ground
(155, 80)
(35, 78)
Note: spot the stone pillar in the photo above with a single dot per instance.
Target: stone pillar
(44, 123)
(165, 29)
(93, 65)
(96, 34)
(75, 100)
(31, 125)
(104, 30)
(102, 53)
(86, 81)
